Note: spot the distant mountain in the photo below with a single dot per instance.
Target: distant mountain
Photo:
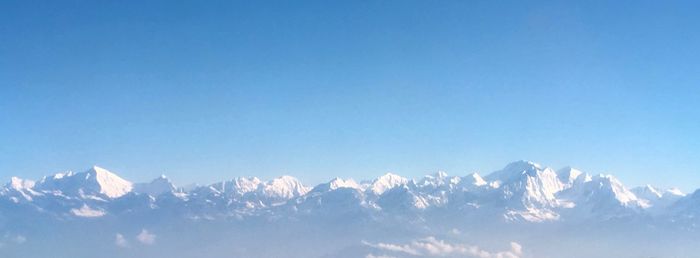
(522, 191)
(156, 187)
(93, 183)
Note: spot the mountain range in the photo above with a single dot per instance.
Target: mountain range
(521, 192)
(526, 209)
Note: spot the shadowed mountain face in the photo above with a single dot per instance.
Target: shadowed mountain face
(76, 214)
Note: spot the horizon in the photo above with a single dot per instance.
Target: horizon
(361, 180)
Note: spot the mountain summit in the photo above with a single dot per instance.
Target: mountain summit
(96, 181)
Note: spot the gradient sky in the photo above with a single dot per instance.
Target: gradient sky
(316, 89)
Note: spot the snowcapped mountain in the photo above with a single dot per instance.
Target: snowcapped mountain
(527, 190)
(336, 184)
(238, 186)
(19, 190)
(95, 182)
(156, 187)
(568, 175)
(657, 199)
(686, 209)
(472, 181)
(386, 182)
(337, 199)
(439, 180)
(282, 189)
(522, 191)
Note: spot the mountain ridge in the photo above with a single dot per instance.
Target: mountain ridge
(523, 191)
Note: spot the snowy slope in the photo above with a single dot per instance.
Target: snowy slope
(156, 187)
(97, 182)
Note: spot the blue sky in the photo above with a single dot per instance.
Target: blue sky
(317, 89)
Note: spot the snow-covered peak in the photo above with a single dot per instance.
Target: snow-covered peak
(246, 184)
(528, 174)
(156, 187)
(340, 183)
(611, 183)
(18, 188)
(674, 192)
(439, 179)
(337, 183)
(284, 187)
(440, 174)
(60, 175)
(95, 181)
(472, 180)
(386, 182)
(602, 189)
(656, 197)
(239, 186)
(517, 170)
(523, 165)
(647, 192)
(20, 184)
(568, 175)
(109, 183)
(528, 189)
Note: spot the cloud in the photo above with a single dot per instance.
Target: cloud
(378, 256)
(120, 241)
(87, 212)
(9, 239)
(19, 239)
(146, 237)
(431, 247)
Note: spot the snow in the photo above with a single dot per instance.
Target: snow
(648, 192)
(244, 185)
(386, 182)
(283, 188)
(568, 176)
(338, 183)
(95, 181)
(530, 186)
(522, 191)
(472, 180)
(156, 187)
(611, 183)
(21, 184)
(675, 192)
(656, 198)
(110, 184)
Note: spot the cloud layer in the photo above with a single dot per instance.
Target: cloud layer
(146, 237)
(432, 247)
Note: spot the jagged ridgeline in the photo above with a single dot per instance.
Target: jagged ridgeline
(521, 202)
(522, 191)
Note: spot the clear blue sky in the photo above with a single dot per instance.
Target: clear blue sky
(208, 91)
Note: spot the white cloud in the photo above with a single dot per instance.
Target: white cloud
(516, 248)
(8, 239)
(378, 256)
(19, 239)
(87, 212)
(146, 237)
(120, 241)
(432, 247)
